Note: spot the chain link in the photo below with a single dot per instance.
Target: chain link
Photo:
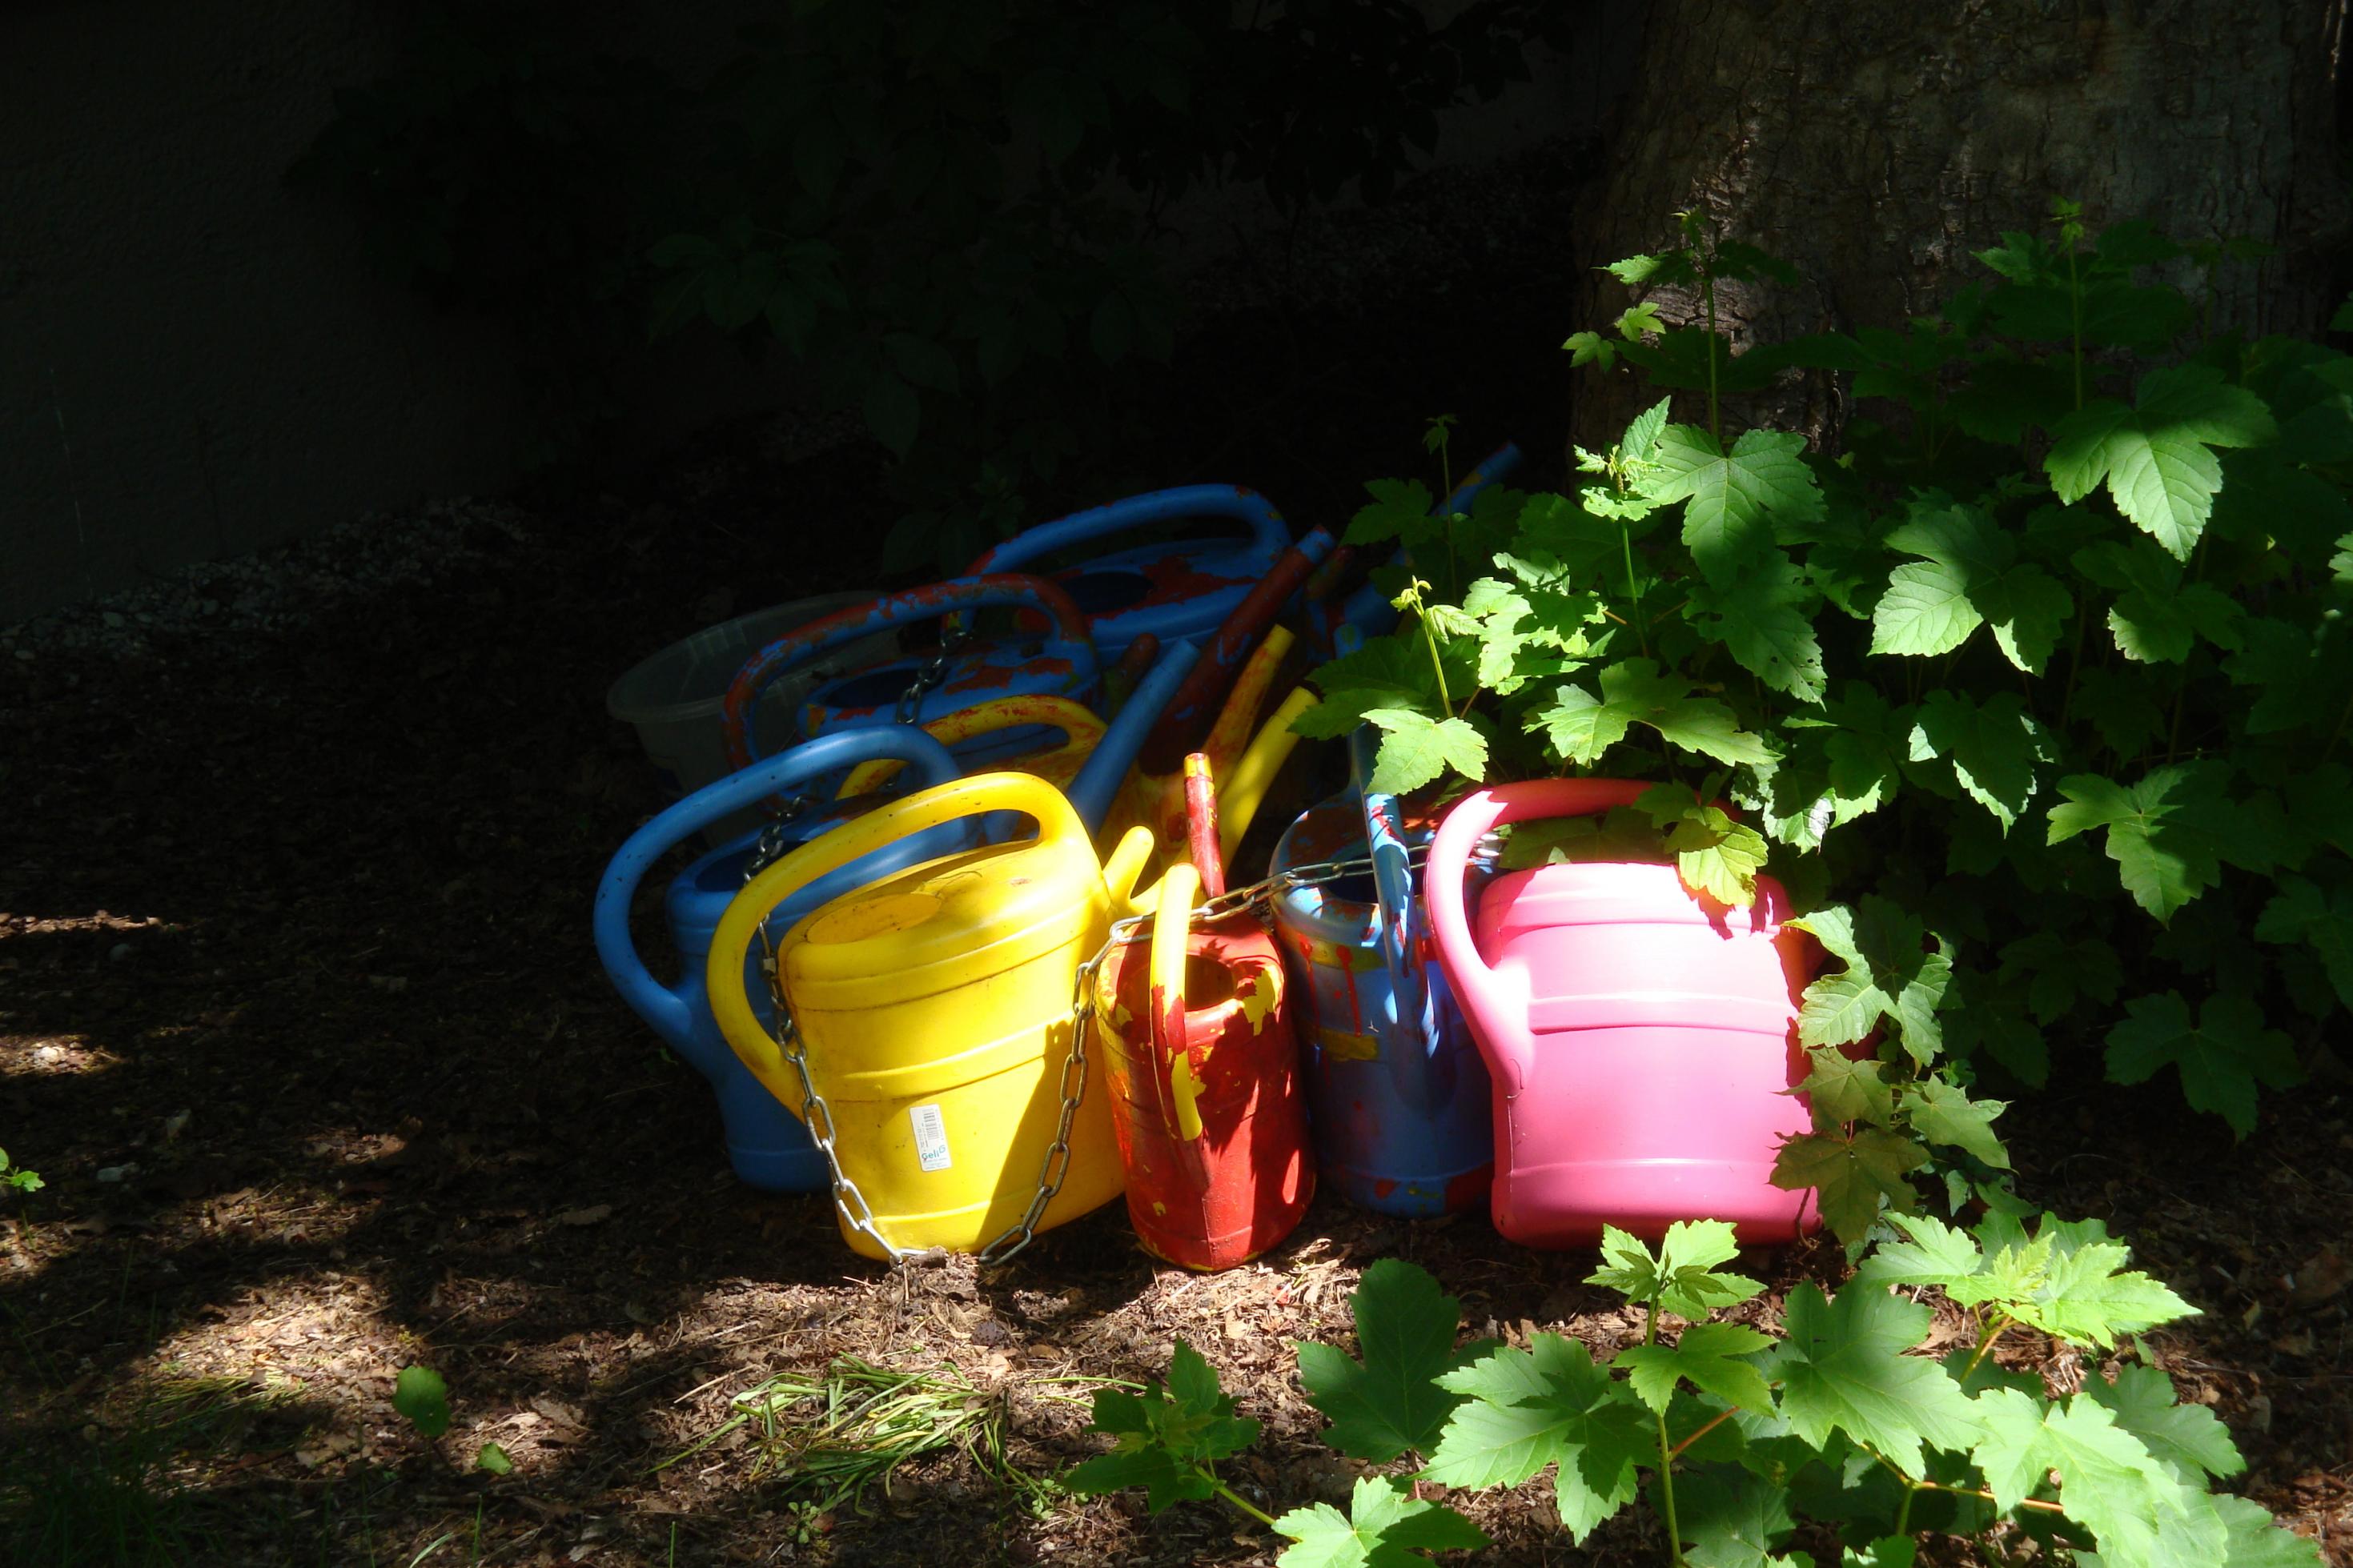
(1256, 897)
(952, 640)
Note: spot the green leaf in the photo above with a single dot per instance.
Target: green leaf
(1166, 1478)
(2221, 1059)
(1931, 1253)
(1992, 747)
(1590, 348)
(2156, 457)
(1416, 749)
(2302, 912)
(1763, 615)
(1944, 1114)
(1731, 1519)
(1681, 1274)
(1547, 1405)
(1851, 1175)
(1164, 1436)
(1399, 509)
(494, 1459)
(1733, 497)
(1971, 578)
(2162, 832)
(1387, 672)
(419, 1395)
(2105, 1475)
(1391, 1401)
(2189, 1439)
(1847, 1088)
(1582, 726)
(2253, 1539)
(1385, 1527)
(1705, 1357)
(2155, 619)
(1843, 1368)
(2304, 674)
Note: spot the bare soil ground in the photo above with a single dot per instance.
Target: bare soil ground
(300, 1019)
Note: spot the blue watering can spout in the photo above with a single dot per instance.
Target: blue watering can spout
(1097, 784)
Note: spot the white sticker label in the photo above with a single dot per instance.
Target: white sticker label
(930, 1137)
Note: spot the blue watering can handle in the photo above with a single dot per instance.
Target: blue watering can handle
(659, 1004)
(928, 603)
(1399, 935)
(1269, 533)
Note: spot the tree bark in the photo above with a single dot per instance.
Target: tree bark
(1875, 145)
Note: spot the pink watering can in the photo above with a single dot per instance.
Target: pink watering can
(1642, 1038)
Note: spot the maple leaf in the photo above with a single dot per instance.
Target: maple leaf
(1581, 726)
(1733, 498)
(1389, 1402)
(1547, 1405)
(1385, 1527)
(1841, 1368)
(2156, 457)
(1851, 1175)
(2221, 1059)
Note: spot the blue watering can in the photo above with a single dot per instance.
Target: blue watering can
(1395, 1089)
(1173, 589)
(1368, 609)
(769, 1146)
(1059, 662)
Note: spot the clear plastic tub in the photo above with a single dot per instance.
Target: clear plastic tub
(673, 698)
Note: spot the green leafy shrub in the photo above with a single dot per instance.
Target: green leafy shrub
(2046, 677)
(1739, 1436)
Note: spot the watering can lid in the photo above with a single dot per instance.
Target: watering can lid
(949, 923)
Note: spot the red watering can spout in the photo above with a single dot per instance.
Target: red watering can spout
(1496, 1001)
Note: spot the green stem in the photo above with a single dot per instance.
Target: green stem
(1667, 1486)
(2074, 664)
(1633, 600)
(1430, 638)
(1720, 1420)
(1992, 1331)
(1903, 1509)
(1236, 1498)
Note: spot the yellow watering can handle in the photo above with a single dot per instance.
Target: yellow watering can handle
(1080, 725)
(1247, 782)
(1232, 727)
(724, 976)
(1171, 934)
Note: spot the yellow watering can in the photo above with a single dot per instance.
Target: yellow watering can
(931, 1046)
(1240, 789)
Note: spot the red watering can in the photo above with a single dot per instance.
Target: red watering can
(1641, 1037)
(1205, 1097)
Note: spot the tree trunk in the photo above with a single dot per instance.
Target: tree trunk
(1876, 145)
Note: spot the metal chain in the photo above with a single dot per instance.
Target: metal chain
(952, 641)
(1130, 931)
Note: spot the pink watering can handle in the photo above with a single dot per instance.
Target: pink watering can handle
(1477, 987)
